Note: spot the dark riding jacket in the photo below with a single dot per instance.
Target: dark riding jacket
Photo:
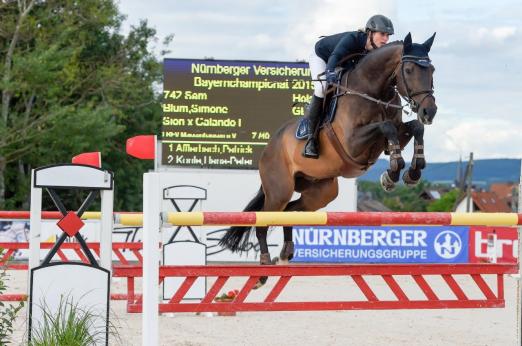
(334, 48)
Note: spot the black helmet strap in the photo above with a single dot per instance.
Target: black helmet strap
(371, 39)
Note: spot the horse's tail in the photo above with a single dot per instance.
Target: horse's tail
(236, 238)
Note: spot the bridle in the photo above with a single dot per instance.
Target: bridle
(422, 62)
(414, 105)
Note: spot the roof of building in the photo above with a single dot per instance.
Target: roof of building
(489, 202)
(430, 194)
(503, 190)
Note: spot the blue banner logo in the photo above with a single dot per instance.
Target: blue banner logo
(448, 244)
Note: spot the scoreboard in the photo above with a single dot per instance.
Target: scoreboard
(222, 113)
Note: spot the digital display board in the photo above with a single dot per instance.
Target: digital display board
(222, 113)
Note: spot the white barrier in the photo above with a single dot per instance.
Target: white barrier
(54, 284)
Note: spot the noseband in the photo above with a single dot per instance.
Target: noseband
(422, 62)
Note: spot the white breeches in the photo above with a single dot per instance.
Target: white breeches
(317, 67)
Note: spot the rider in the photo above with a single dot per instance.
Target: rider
(328, 52)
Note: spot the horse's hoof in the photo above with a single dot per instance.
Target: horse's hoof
(386, 182)
(406, 178)
(276, 260)
(261, 282)
(280, 261)
(264, 259)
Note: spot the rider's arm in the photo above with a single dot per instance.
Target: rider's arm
(349, 44)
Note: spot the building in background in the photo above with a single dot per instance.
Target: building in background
(484, 202)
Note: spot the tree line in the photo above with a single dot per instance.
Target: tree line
(404, 198)
(72, 82)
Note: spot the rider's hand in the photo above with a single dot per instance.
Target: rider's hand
(331, 76)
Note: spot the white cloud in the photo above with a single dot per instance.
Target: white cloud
(496, 36)
(451, 137)
(328, 17)
(504, 32)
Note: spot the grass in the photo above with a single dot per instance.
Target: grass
(71, 325)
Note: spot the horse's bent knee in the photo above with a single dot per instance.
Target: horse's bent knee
(326, 198)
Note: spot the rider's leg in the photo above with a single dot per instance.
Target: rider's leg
(314, 113)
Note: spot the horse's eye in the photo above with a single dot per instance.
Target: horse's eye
(408, 70)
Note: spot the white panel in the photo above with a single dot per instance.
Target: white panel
(84, 286)
(72, 176)
(184, 253)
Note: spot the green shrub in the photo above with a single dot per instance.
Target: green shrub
(446, 201)
(8, 312)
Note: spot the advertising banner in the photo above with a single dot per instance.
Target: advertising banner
(405, 244)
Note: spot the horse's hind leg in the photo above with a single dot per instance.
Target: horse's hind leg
(316, 196)
(287, 252)
(279, 187)
(412, 176)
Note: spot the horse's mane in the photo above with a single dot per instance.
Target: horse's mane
(379, 51)
(383, 48)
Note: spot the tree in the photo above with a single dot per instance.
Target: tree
(72, 83)
(403, 198)
(446, 201)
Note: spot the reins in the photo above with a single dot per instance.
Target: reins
(414, 105)
(348, 91)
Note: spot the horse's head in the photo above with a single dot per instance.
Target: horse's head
(415, 78)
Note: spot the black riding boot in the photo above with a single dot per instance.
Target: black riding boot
(315, 110)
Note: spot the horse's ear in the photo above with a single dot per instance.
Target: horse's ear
(429, 42)
(407, 43)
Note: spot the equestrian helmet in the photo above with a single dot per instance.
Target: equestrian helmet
(380, 23)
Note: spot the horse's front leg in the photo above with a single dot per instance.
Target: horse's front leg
(391, 176)
(366, 136)
(412, 176)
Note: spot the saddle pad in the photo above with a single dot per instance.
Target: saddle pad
(303, 126)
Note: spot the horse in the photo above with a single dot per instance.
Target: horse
(368, 121)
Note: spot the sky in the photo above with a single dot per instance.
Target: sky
(477, 53)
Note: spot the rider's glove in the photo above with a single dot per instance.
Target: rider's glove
(331, 76)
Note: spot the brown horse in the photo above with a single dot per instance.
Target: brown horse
(367, 122)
